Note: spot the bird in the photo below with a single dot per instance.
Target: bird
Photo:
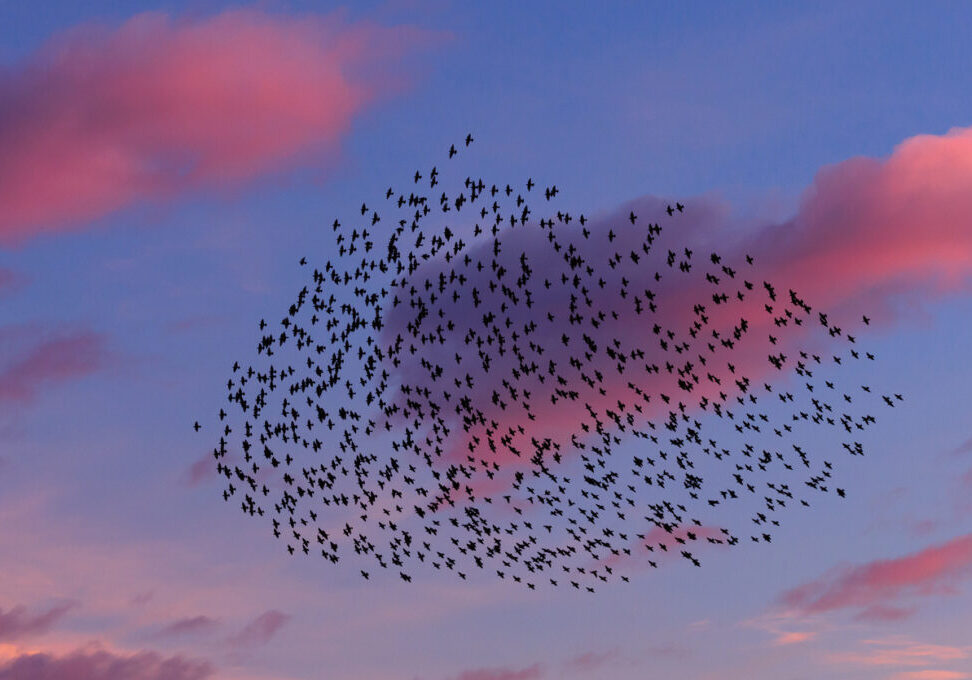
(398, 413)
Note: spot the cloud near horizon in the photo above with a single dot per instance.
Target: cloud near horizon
(99, 118)
(16, 623)
(103, 665)
(900, 653)
(533, 672)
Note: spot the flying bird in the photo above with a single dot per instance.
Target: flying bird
(503, 392)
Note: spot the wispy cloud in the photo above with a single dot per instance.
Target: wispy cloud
(260, 630)
(34, 358)
(931, 674)
(785, 627)
(18, 623)
(533, 672)
(963, 448)
(874, 589)
(590, 661)
(104, 665)
(9, 281)
(202, 469)
(188, 625)
(904, 656)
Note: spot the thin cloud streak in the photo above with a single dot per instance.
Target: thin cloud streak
(17, 623)
(32, 363)
(104, 665)
(260, 630)
(875, 587)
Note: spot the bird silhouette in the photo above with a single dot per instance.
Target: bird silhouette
(503, 391)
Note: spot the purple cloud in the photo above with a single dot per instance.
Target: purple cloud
(45, 360)
(190, 624)
(18, 623)
(530, 673)
(199, 471)
(260, 630)
(102, 665)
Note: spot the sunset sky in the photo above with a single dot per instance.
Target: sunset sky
(163, 166)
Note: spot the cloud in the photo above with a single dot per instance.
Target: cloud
(259, 630)
(901, 652)
(590, 661)
(963, 448)
(930, 674)
(103, 665)
(30, 362)
(533, 672)
(779, 625)
(794, 637)
(883, 612)
(100, 118)
(199, 471)
(141, 599)
(873, 588)
(869, 230)
(869, 236)
(9, 281)
(193, 624)
(17, 623)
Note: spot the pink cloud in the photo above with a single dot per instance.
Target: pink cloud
(793, 637)
(100, 118)
(931, 674)
(31, 363)
(17, 623)
(873, 588)
(103, 665)
(867, 235)
(259, 630)
(868, 230)
(530, 673)
(899, 652)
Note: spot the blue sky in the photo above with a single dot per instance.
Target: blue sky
(739, 105)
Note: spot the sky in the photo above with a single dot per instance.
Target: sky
(165, 165)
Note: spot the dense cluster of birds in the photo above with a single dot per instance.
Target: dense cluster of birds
(469, 386)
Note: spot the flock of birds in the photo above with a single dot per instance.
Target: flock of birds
(468, 386)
